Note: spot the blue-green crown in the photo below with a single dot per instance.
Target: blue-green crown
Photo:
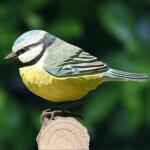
(27, 36)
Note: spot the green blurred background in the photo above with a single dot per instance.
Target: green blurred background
(117, 114)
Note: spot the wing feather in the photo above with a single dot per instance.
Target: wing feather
(72, 61)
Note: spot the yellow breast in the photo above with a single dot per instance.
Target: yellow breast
(56, 89)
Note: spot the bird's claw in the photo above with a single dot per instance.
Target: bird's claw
(50, 114)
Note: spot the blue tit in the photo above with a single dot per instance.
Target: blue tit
(58, 71)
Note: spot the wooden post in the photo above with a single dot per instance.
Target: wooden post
(63, 133)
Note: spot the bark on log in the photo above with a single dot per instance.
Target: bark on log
(63, 133)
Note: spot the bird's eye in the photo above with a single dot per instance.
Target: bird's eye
(22, 50)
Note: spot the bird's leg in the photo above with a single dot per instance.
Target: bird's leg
(69, 105)
(68, 108)
(61, 109)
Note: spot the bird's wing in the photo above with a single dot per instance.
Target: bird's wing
(72, 61)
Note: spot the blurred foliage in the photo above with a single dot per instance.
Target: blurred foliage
(118, 32)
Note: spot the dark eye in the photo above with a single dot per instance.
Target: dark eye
(22, 50)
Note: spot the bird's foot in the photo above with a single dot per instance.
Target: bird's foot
(50, 114)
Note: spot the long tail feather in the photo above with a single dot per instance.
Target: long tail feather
(116, 75)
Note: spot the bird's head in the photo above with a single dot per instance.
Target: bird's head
(30, 46)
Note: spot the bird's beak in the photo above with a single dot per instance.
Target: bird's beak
(11, 56)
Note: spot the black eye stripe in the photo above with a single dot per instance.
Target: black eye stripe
(27, 48)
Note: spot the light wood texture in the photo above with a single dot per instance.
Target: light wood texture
(63, 133)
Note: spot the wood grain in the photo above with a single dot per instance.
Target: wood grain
(63, 133)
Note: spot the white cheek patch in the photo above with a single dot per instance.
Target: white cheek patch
(31, 54)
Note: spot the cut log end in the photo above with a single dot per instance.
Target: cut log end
(63, 133)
